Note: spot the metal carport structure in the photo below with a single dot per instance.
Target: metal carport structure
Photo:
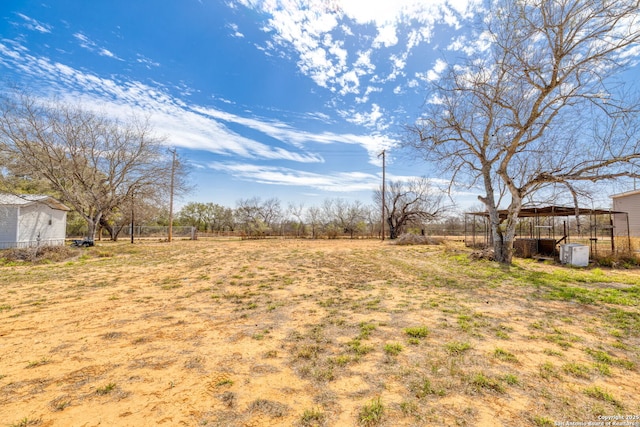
(538, 231)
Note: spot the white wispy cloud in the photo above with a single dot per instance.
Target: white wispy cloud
(149, 63)
(471, 46)
(317, 32)
(434, 73)
(338, 182)
(332, 43)
(184, 125)
(235, 31)
(300, 138)
(34, 25)
(386, 36)
(92, 46)
(341, 182)
(369, 119)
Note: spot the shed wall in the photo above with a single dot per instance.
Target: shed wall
(39, 224)
(631, 205)
(8, 226)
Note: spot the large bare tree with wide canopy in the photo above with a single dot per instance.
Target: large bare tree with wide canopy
(537, 105)
(414, 201)
(94, 163)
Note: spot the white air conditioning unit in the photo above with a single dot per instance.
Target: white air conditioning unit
(574, 254)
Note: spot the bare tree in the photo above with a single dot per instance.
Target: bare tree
(314, 219)
(94, 163)
(221, 218)
(138, 210)
(344, 217)
(372, 219)
(539, 107)
(296, 210)
(271, 212)
(410, 202)
(206, 216)
(196, 214)
(257, 216)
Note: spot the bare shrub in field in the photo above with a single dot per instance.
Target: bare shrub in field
(486, 253)
(618, 260)
(40, 254)
(416, 239)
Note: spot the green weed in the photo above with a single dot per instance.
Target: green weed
(408, 408)
(60, 404)
(358, 348)
(576, 369)
(417, 332)
(36, 363)
(603, 395)
(392, 349)
(308, 351)
(424, 388)
(603, 357)
(504, 355)
(480, 381)
(26, 422)
(312, 417)
(457, 348)
(106, 389)
(365, 330)
(548, 370)
(543, 422)
(603, 369)
(371, 414)
(511, 379)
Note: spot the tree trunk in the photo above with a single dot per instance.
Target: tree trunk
(91, 229)
(117, 230)
(503, 249)
(393, 230)
(104, 224)
(504, 233)
(92, 225)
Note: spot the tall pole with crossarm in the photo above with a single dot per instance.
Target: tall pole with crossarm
(383, 154)
(173, 172)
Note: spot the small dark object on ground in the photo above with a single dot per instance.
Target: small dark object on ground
(82, 243)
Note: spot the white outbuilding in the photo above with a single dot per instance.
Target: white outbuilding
(31, 220)
(629, 202)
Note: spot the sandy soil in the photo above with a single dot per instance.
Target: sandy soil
(263, 333)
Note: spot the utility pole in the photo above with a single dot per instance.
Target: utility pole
(173, 172)
(383, 154)
(133, 222)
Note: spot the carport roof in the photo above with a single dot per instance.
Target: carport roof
(546, 211)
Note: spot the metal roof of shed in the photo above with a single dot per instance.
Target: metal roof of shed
(30, 199)
(626, 194)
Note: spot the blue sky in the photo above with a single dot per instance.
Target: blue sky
(288, 99)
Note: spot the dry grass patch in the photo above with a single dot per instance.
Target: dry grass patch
(313, 333)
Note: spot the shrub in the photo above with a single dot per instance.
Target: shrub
(618, 260)
(40, 254)
(416, 239)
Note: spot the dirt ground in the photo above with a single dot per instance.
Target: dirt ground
(302, 333)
